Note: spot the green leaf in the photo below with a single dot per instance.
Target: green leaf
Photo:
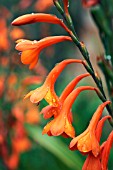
(56, 147)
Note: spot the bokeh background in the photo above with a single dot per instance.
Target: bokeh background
(22, 146)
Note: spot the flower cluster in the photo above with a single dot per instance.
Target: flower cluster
(60, 107)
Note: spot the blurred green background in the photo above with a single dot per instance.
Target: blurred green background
(52, 152)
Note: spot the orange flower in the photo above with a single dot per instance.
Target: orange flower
(12, 161)
(2, 85)
(26, 112)
(21, 144)
(92, 162)
(17, 33)
(70, 87)
(24, 4)
(12, 79)
(89, 3)
(38, 17)
(42, 5)
(46, 91)
(4, 61)
(4, 43)
(61, 124)
(87, 141)
(106, 151)
(31, 49)
(50, 111)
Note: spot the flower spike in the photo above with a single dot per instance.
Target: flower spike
(31, 49)
(83, 142)
(46, 91)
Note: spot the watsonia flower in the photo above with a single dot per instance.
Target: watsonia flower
(92, 162)
(106, 151)
(46, 91)
(61, 124)
(38, 17)
(50, 111)
(31, 49)
(87, 141)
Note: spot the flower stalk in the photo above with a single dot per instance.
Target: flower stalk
(81, 46)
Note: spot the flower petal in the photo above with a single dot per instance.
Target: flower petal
(73, 143)
(33, 63)
(23, 45)
(38, 17)
(28, 56)
(38, 94)
(48, 111)
(69, 88)
(92, 163)
(106, 151)
(58, 127)
(100, 126)
(46, 129)
(69, 129)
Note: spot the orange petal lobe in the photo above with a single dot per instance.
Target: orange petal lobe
(28, 56)
(38, 17)
(23, 44)
(69, 129)
(92, 163)
(48, 111)
(106, 151)
(38, 94)
(57, 127)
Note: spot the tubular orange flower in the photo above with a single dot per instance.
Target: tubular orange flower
(70, 87)
(100, 126)
(92, 162)
(87, 141)
(38, 17)
(89, 3)
(106, 151)
(42, 5)
(46, 91)
(50, 111)
(17, 33)
(31, 49)
(61, 124)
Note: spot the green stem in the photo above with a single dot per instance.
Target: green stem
(85, 54)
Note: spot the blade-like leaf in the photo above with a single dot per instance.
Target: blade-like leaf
(56, 147)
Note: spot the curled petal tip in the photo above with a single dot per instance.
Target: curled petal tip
(27, 95)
